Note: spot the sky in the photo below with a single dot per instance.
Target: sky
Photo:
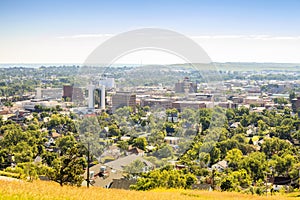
(228, 30)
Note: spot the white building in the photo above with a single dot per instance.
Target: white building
(30, 104)
(49, 93)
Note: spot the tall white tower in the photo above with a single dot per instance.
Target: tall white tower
(38, 94)
(91, 100)
(102, 98)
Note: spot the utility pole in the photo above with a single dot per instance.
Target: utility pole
(266, 184)
(299, 177)
(88, 167)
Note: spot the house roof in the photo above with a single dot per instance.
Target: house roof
(38, 159)
(281, 180)
(122, 184)
(125, 161)
(100, 182)
(201, 186)
(222, 163)
(136, 150)
(55, 135)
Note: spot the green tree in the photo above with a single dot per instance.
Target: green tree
(165, 178)
(165, 152)
(114, 130)
(227, 184)
(292, 96)
(233, 157)
(123, 145)
(235, 180)
(140, 143)
(283, 164)
(68, 169)
(255, 164)
(135, 167)
(275, 146)
(66, 142)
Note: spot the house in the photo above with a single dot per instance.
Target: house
(50, 142)
(203, 186)
(99, 181)
(38, 159)
(280, 182)
(121, 184)
(172, 140)
(112, 151)
(235, 125)
(120, 163)
(136, 151)
(220, 166)
(104, 132)
(55, 135)
(125, 138)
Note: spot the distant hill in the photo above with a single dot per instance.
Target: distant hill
(232, 66)
(245, 66)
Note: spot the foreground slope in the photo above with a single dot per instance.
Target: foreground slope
(48, 190)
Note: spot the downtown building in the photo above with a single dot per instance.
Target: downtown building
(122, 99)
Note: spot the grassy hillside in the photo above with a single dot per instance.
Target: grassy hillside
(47, 190)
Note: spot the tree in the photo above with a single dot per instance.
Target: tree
(135, 167)
(214, 155)
(242, 111)
(165, 152)
(8, 104)
(123, 145)
(292, 96)
(280, 101)
(140, 143)
(255, 164)
(227, 184)
(262, 126)
(227, 145)
(234, 180)
(230, 114)
(165, 178)
(65, 143)
(283, 164)
(114, 130)
(275, 146)
(68, 169)
(204, 118)
(234, 156)
(1, 120)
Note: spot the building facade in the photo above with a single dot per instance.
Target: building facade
(121, 99)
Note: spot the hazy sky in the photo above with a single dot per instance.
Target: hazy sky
(66, 32)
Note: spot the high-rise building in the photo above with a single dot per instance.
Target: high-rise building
(102, 97)
(121, 99)
(67, 92)
(72, 93)
(296, 104)
(185, 86)
(91, 97)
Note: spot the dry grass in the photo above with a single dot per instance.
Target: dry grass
(48, 190)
